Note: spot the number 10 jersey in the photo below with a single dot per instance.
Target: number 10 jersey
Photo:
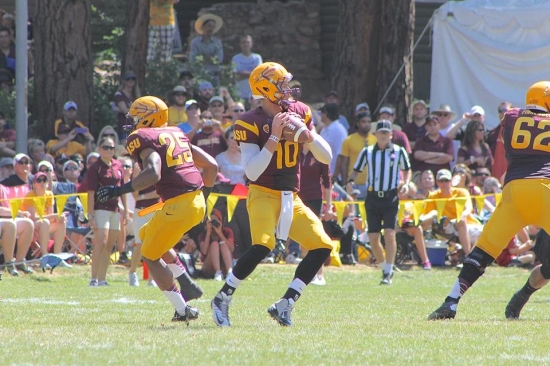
(179, 174)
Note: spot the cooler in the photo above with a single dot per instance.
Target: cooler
(437, 251)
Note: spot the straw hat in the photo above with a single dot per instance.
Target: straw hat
(204, 18)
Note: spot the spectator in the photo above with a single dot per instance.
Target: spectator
(332, 98)
(6, 168)
(22, 172)
(104, 217)
(433, 151)
(69, 120)
(206, 92)
(47, 168)
(425, 184)
(415, 129)
(491, 186)
(462, 178)
(8, 21)
(37, 152)
(447, 128)
(351, 148)
(217, 108)
(519, 251)
(496, 143)
(210, 138)
(206, 51)
(474, 152)
(362, 108)
(333, 133)
(48, 222)
(66, 142)
(229, 161)
(398, 137)
(108, 131)
(466, 226)
(71, 172)
(216, 247)
(79, 160)
(193, 118)
(7, 138)
(187, 80)
(90, 160)
(7, 59)
(236, 111)
(127, 92)
(243, 64)
(161, 29)
(7, 240)
(176, 112)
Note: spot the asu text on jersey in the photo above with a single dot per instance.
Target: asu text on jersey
(283, 171)
(179, 173)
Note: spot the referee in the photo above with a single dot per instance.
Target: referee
(384, 161)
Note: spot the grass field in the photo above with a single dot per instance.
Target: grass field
(56, 319)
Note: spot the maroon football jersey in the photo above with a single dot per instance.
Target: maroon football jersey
(178, 174)
(283, 171)
(526, 144)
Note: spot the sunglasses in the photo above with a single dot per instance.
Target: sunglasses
(502, 110)
(126, 166)
(45, 170)
(443, 180)
(107, 147)
(482, 174)
(42, 180)
(71, 168)
(442, 114)
(23, 162)
(238, 110)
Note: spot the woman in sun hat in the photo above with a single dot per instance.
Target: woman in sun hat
(208, 46)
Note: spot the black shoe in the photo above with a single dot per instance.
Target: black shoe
(386, 278)
(513, 309)
(190, 290)
(191, 313)
(281, 310)
(349, 259)
(220, 309)
(123, 258)
(447, 310)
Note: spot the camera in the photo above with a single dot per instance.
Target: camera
(81, 130)
(215, 223)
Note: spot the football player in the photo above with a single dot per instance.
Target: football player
(525, 135)
(272, 166)
(169, 161)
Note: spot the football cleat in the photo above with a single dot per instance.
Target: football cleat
(281, 311)
(189, 289)
(220, 309)
(513, 309)
(447, 310)
(386, 278)
(191, 313)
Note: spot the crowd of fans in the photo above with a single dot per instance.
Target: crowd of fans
(450, 157)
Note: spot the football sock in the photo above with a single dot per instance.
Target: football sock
(177, 268)
(308, 267)
(176, 299)
(295, 289)
(231, 284)
(387, 267)
(527, 290)
(474, 267)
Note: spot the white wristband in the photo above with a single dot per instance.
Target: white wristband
(274, 138)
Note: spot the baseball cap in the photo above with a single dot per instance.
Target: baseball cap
(216, 99)
(362, 105)
(186, 73)
(189, 103)
(45, 163)
(355, 192)
(5, 162)
(205, 85)
(93, 154)
(420, 101)
(387, 110)
(129, 75)
(477, 109)
(383, 125)
(19, 157)
(444, 174)
(70, 104)
(69, 162)
(38, 175)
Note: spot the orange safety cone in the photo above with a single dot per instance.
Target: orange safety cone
(145, 271)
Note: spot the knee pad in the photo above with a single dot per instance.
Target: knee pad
(475, 264)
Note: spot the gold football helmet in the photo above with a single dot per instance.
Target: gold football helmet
(538, 96)
(270, 81)
(148, 112)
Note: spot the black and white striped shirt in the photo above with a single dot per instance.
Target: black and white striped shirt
(383, 166)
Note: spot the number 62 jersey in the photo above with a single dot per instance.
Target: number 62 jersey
(179, 174)
(526, 136)
(283, 171)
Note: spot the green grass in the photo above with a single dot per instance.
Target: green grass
(56, 319)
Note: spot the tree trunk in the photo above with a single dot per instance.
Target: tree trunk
(63, 62)
(396, 41)
(135, 50)
(372, 42)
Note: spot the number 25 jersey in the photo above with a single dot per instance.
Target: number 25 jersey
(179, 174)
(283, 171)
(526, 137)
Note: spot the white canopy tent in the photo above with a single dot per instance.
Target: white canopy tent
(489, 51)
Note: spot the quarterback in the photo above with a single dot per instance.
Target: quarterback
(271, 164)
(169, 161)
(525, 197)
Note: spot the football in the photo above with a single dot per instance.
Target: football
(296, 130)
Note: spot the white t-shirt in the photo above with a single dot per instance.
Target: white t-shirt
(234, 172)
(334, 134)
(245, 63)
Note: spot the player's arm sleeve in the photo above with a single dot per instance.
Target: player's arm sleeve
(320, 149)
(254, 160)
